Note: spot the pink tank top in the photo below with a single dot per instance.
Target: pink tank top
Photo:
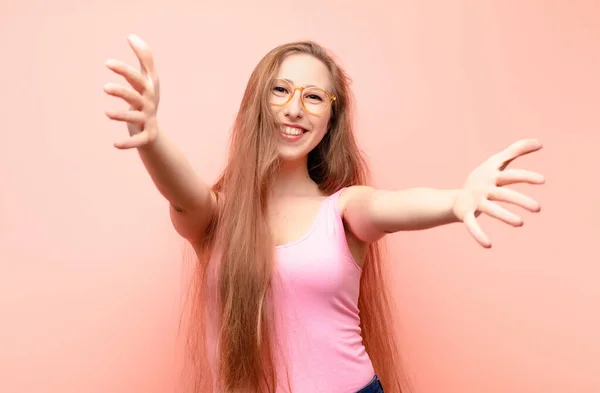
(315, 291)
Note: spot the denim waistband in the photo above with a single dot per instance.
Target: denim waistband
(373, 387)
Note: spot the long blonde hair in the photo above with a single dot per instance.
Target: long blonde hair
(241, 231)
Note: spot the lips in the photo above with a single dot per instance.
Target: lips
(292, 130)
(292, 133)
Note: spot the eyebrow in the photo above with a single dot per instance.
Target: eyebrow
(292, 82)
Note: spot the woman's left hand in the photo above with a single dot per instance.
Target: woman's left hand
(486, 185)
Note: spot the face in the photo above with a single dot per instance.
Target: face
(302, 126)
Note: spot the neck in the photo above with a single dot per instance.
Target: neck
(293, 180)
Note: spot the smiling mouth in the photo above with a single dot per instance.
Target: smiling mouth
(292, 131)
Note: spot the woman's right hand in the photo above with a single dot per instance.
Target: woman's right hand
(142, 95)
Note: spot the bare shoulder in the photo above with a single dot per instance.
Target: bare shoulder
(349, 196)
(347, 202)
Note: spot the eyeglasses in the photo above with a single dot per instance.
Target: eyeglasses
(314, 99)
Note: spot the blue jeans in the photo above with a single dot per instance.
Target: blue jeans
(373, 387)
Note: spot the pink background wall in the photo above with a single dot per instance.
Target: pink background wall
(90, 268)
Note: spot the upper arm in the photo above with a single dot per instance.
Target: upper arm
(192, 224)
(356, 208)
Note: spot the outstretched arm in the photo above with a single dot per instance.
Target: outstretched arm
(192, 203)
(372, 213)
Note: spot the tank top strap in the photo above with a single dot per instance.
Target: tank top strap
(334, 218)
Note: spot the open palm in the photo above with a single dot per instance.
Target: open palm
(485, 186)
(142, 95)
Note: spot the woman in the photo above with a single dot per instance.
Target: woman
(288, 234)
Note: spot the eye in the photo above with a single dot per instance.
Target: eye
(314, 97)
(280, 90)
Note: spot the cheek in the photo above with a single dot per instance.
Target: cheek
(276, 111)
(320, 124)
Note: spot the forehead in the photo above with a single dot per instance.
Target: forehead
(305, 70)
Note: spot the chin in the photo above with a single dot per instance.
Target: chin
(296, 147)
(291, 154)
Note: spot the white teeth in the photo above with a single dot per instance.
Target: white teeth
(291, 131)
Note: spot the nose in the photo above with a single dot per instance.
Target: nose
(294, 108)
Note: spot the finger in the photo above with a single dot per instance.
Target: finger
(515, 150)
(512, 176)
(493, 209)
(514, 197)
(133, 117)
(132, 97)
(133, 76)
(475, 230)
(143, 53)
(135, 141)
